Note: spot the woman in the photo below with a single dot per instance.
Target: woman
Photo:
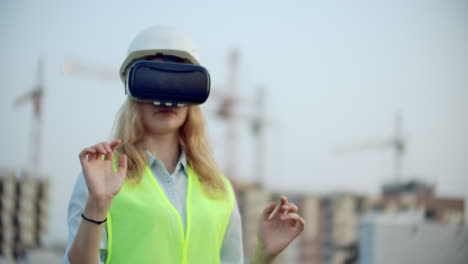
(155, 195)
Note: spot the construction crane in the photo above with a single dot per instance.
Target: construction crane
(258, 124)
(35, 96)
(71, 67)
(229, 112)
(396, 142)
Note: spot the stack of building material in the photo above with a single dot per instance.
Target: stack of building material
(42, 211)
(25, 216)
(7, 212)
(24, 200)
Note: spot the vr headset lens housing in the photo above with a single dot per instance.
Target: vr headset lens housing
(168, 83)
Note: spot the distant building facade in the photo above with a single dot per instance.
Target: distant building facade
(409, 239)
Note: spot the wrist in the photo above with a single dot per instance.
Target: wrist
(262, 256)
(97, 208)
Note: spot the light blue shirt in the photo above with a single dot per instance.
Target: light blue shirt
(175, 188)
(175, 185)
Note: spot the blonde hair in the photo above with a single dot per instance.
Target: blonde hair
(130, 130)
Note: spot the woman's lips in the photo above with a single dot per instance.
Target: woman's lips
(165, 111)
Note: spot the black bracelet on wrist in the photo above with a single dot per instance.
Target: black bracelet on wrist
(93, 221)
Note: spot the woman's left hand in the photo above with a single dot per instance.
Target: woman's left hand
(277, 231)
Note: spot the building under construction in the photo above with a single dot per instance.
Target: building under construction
(332, 230)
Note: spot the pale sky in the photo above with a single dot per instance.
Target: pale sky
(336, 72)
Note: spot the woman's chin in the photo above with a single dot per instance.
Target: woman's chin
(164, 128)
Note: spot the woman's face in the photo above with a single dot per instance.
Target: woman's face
(162, 119)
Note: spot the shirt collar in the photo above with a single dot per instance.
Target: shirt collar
(181, 164)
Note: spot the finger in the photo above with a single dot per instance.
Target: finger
(273, 213)
(301, 224)
(106, 146)
(292, 218)
(268, 210)
(113, 146)
(109, 156)
(95, 156)
(82, 157)
(283, 201)
(302, 221)
(115, 143)
(85, 153)
(290, 207)
(100, 148)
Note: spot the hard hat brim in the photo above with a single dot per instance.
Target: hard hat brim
(136, 55)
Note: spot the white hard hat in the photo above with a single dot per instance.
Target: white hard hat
(160, 39)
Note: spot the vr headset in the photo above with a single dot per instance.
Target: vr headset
(168, 83)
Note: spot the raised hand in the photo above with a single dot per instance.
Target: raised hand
(102, 182)
(279, 226)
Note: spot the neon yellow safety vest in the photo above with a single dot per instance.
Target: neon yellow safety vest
(143, 227)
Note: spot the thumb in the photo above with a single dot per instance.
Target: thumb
(267, 211)
(122, 164)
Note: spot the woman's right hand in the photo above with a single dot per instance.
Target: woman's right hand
(102, 182)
